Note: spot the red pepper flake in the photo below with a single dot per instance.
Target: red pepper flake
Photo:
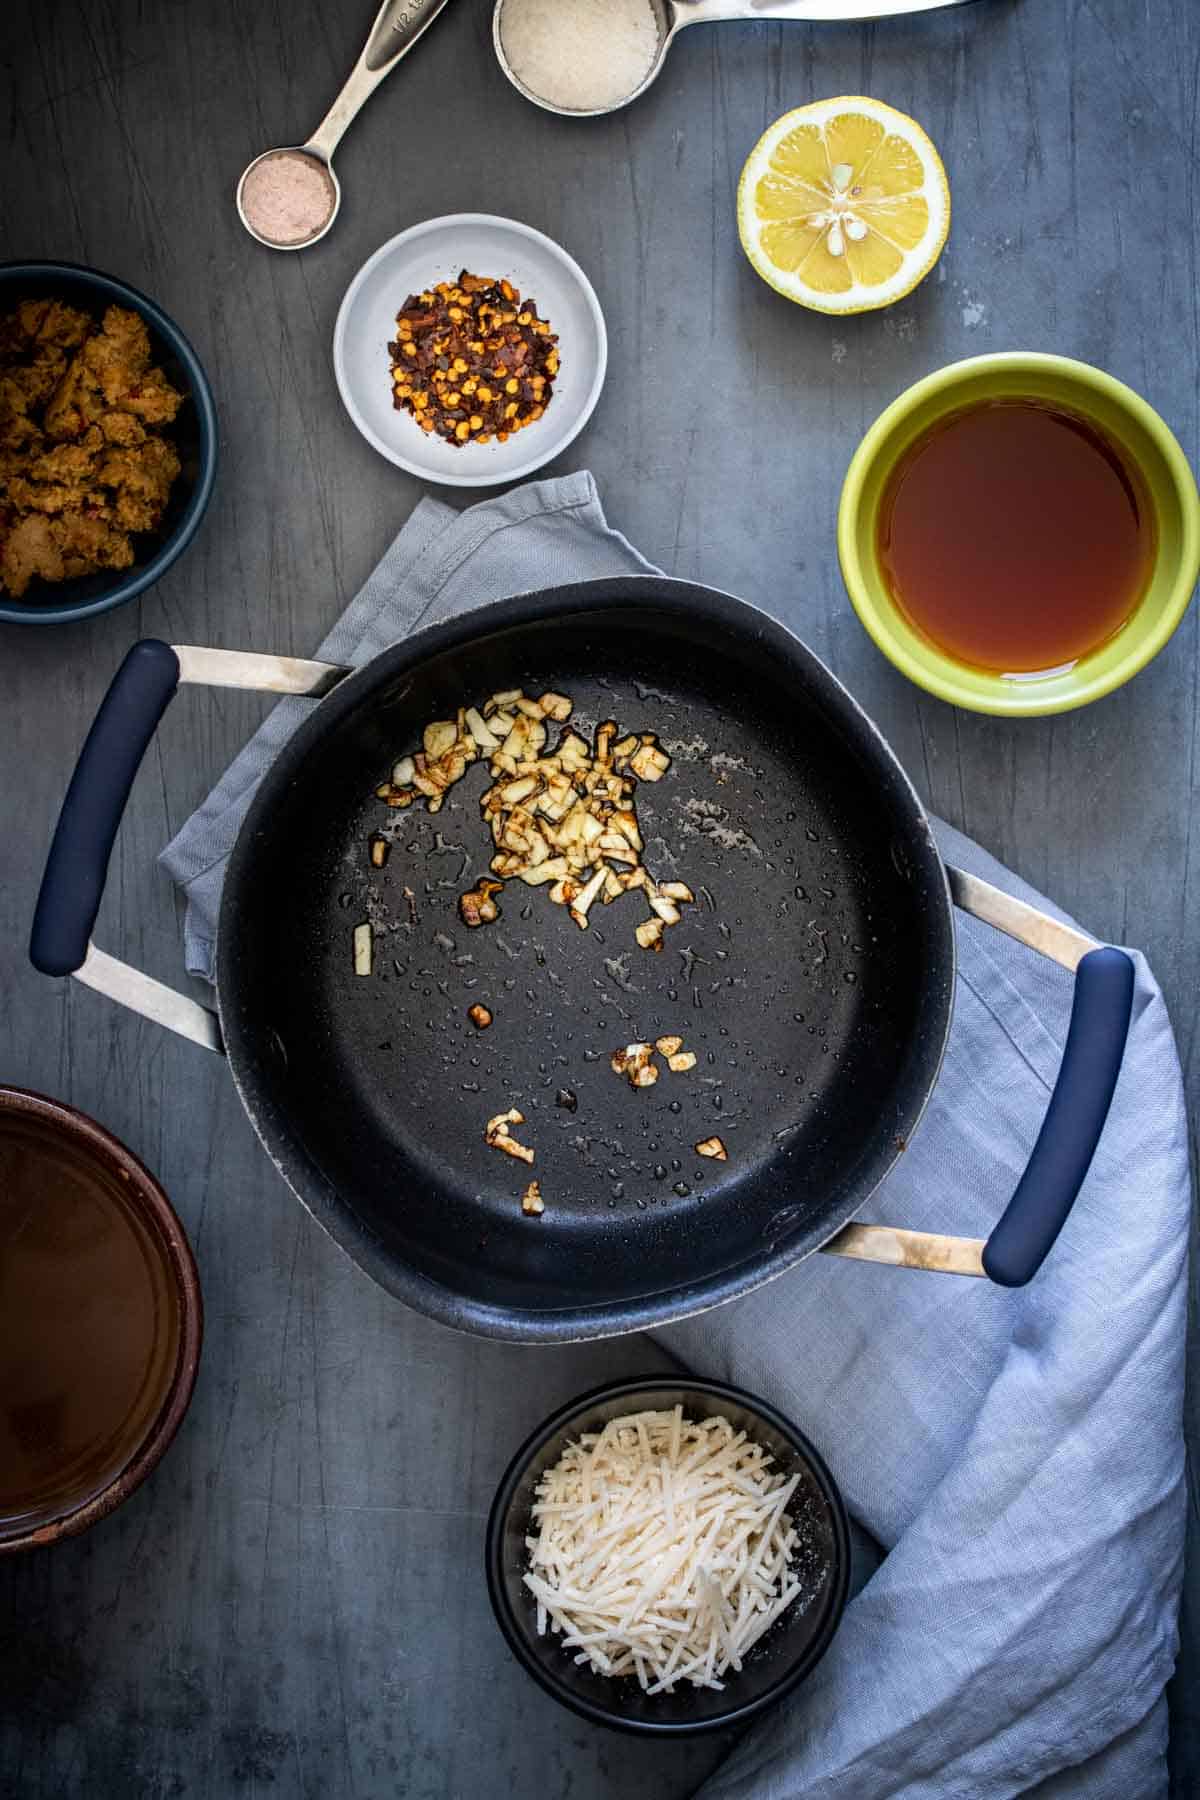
(472, 360)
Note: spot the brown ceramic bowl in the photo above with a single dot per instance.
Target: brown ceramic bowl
(100, 1322)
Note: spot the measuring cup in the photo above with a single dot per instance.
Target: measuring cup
(671, 16)
(398, 25)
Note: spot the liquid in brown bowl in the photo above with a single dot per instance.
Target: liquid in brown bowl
(90, 1322)
(1016, 536)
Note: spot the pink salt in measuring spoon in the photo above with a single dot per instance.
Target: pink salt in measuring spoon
(288, 198)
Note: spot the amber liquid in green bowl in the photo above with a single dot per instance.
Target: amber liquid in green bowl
(89, 1325)
(1016, 536)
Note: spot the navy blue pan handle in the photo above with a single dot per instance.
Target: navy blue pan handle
(1087, 1078)
(1075, 1117)
(77, 866)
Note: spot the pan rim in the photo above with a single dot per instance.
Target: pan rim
(577, 1323)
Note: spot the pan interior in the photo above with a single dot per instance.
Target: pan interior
(805, 978)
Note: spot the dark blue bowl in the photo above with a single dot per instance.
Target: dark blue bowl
(194, 436)
(789, 1651)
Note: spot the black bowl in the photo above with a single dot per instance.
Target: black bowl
(194, 435)
(789, 1651)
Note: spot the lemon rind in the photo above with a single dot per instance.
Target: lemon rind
(858, 298)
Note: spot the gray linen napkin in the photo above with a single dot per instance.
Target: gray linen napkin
(1019, 1455)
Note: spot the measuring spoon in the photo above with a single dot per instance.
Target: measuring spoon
(398, 25)
(671, 16)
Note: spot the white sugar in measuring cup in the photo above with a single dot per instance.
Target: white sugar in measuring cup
(671, 16)
(398, 25)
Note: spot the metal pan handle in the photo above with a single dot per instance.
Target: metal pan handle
(1087, 1077)
(77, 866)
(1066, 1144)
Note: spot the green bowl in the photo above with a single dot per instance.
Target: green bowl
(1130, 422)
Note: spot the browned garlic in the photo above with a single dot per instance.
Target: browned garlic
(531, 1199)
(496, 1135)
(563, 819)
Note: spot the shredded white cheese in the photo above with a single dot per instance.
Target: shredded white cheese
(663, 1549)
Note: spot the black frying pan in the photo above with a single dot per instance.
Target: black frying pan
(814, 977)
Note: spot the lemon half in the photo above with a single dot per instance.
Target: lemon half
(844, 205)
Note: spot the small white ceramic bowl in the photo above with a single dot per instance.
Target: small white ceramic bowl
(438, 251)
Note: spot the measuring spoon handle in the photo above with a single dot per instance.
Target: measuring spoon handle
(702, 12)
(398, 25)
